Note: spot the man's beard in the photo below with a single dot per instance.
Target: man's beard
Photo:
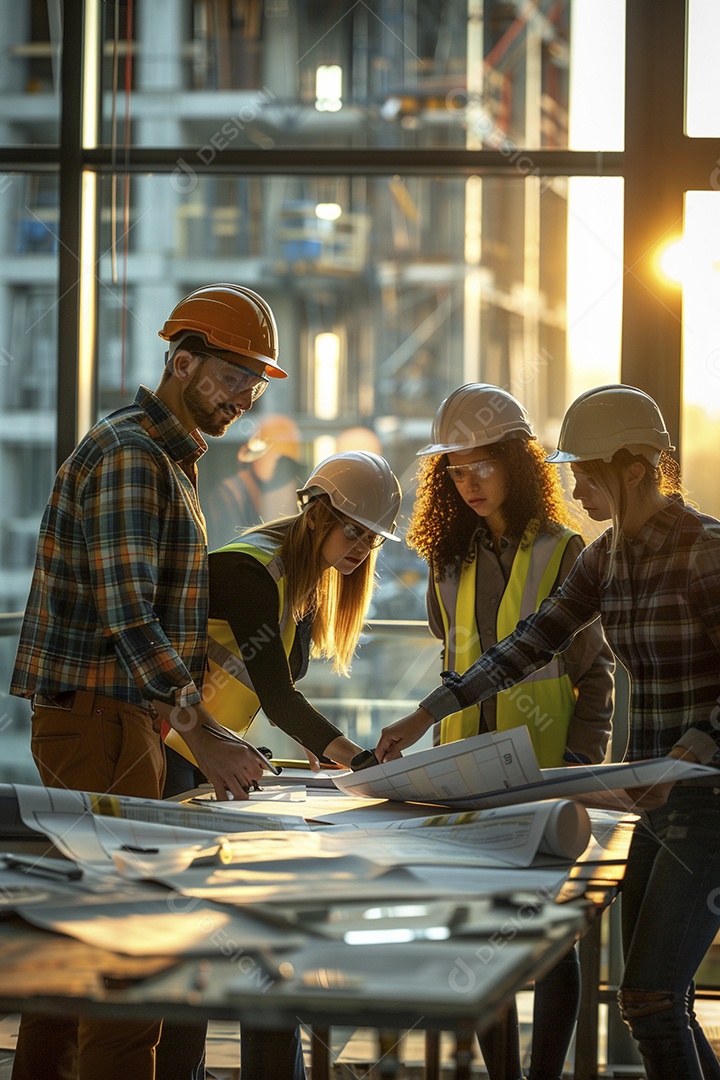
(212, 419)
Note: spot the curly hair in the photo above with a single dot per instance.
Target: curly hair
(442, 525)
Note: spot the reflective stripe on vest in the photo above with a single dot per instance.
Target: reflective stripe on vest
(228, 692)
(545, 700)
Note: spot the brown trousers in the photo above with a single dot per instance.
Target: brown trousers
(97, 744)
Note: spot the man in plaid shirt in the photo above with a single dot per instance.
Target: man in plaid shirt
(114, 636)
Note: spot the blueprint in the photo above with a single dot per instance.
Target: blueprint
(499, 769)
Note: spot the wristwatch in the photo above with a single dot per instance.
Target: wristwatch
(363, 760)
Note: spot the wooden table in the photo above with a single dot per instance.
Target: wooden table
(462, 984)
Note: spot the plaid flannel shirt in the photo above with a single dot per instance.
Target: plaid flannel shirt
(661, 616)
(119, 596)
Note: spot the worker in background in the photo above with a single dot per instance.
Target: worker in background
(264, 486)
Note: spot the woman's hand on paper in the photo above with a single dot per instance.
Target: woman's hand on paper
(341, 751)
(654, 795)
(403, 733)
(320, 766)
(606, 800)
(635, 799)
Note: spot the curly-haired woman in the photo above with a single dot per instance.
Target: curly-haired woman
(491, 523)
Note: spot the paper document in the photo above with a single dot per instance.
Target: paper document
(320, 866)
(291, 866)
(514, 834)
(289, 777)
(99, 831)
(499, 769)
(503, 836)
(496, 761)
(33, 800)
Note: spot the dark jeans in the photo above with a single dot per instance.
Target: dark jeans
(670, 914)
(264, 1054)
(181, 774)
(555, 1010)
(180, 1055)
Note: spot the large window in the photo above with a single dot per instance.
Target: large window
(427, 194)
(384, 306)
(345, 74)
(28, 396)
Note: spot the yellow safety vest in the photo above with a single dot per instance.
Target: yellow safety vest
(545, 700)
(228, 692)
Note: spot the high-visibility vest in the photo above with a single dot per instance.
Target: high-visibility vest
(228, 692)
(545, 700)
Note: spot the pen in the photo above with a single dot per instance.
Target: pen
(226, 735)
(46, 868)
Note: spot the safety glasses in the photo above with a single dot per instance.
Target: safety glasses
(481, 469)
(238, 379)
(357, 533)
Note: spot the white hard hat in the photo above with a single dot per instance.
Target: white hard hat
(477, 414)
(610, 418)
(362, 486)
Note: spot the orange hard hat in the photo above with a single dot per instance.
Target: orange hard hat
(275, 433)
(230, 317)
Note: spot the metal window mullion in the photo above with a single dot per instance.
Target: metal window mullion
(75, 391)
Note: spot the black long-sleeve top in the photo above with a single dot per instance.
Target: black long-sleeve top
(244, 594)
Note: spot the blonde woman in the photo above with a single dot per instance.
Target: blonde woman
(294, 588)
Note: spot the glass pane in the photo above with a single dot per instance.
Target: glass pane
(597, 75)
(699, 271)
(16, 763)
(30, 32)
(702, 119)
(28, 359)
(463, 74)
(389, 292)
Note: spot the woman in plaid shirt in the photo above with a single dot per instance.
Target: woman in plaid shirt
(654, 578)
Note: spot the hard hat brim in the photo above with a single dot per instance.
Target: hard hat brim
(310, 492)
(448, 448)
(272, 369)
(373, 527)
(558, 456)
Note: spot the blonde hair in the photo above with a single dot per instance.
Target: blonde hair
(607, 476)
(337, 602)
